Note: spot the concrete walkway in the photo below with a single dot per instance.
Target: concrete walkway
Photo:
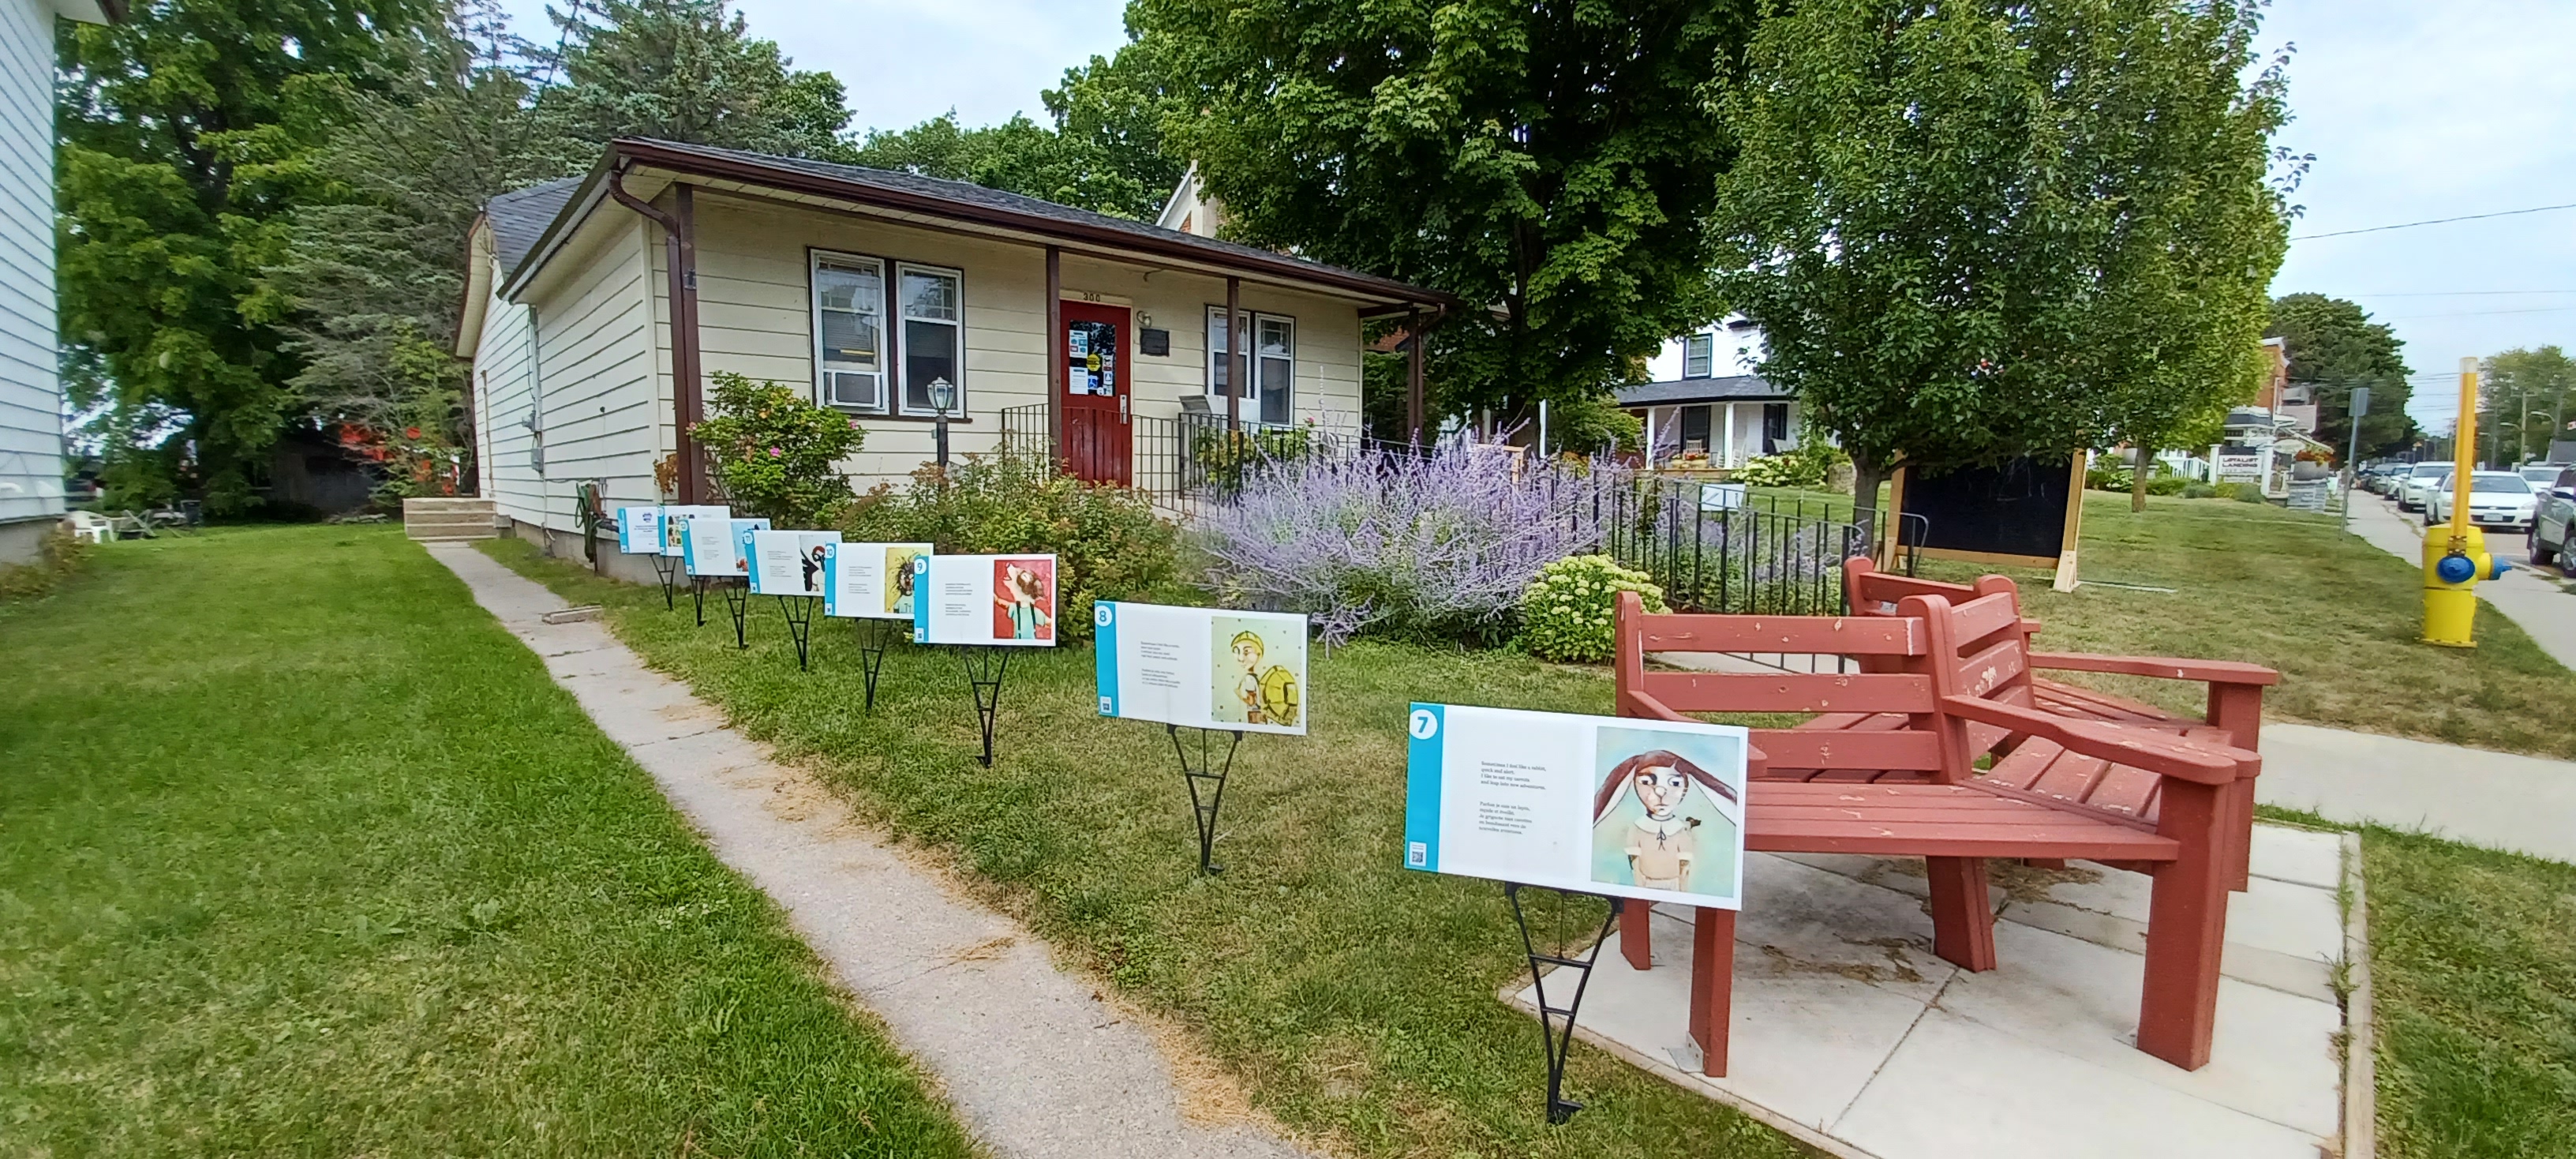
(2534, 602)
(2496, 800)
(1031, 1058)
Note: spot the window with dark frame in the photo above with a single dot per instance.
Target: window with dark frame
(932, 338)
(1695, 430)
(1699, 355)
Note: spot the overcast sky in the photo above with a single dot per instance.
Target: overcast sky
(2414, 110)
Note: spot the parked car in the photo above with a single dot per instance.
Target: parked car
(2540, 474)
(2384, 478)
(2420, 479)
(2500, 499)
(2556, 512)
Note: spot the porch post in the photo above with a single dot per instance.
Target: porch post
(1054, 358)
(1727, 459)
(1234, 364)
(1413, 401)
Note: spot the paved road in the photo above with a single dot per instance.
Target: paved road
(2531, 598)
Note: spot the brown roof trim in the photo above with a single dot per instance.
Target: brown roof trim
(1138, 238)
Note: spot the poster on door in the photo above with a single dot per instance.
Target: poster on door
(1201, 667)
(984, 599)
(639, 530)
(786, 563)
(1595, 804)
(870, 581)
(1092, 348)
(712, 545)
(674, 521)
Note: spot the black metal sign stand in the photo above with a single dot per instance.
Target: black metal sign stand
(1556, 1039)
(874, 637)
(668, 567)
(735, 597)
(799, 611)
(698, 585)
(985, 666)
(1212, 771)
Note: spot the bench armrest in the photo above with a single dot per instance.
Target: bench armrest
(2158, 667)
(2157, 752)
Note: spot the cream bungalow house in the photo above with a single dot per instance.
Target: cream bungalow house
(596, 306)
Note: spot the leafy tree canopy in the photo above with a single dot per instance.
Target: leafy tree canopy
(1103, 152)
(188, 131)
(1551, 160)
(2523, 403)
(2333, 343)
(1976, 230)
(688, 70)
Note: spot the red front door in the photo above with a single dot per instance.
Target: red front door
(1094, 347)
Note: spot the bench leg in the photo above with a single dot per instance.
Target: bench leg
(2187, 926)
(1636, 932)
(1712, 986)
(1963, 920)
(2238, 708)
(2240, 835)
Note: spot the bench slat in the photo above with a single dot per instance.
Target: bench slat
(1849, 749)
(1793, 635)
(1790, 692)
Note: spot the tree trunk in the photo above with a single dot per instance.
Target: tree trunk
(1866, 477)
(2138, 479)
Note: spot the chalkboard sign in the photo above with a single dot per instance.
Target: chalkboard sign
(2022, 512)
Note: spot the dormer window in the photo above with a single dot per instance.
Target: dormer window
(1698, 353)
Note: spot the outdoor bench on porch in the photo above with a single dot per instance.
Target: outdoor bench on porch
(1906, 787)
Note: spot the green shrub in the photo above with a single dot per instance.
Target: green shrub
(2198, 491)
(2224, 490)
(777, 451)
(2248, 493)
(1108, 543)
(2167, 485)
(1223, 456)
(1566, 612)
(1808, 464)
(2110, 477)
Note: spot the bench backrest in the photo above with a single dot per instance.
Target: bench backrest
(1901, 648)
(1993, 640)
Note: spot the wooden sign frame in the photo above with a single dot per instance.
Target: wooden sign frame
(2064, 562)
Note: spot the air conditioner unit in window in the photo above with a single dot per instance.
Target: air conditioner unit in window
(843, 388)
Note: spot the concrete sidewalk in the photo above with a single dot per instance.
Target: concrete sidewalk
(2496, 800)
(2535, 603)
(1031, 1058)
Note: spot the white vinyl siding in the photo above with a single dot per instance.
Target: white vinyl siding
(505, 413)
(602, 411)
(31, 396)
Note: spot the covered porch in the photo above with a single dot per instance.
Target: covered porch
(1728, 420)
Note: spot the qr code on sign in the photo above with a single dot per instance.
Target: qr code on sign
(1418, 854)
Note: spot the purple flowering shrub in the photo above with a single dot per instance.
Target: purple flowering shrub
(1439, 546)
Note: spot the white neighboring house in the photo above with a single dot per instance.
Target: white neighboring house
(1099, 339)
(1189, 209)
(31, 389)
(1706, 395)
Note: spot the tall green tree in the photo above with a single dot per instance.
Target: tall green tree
(2523, 403)
(1547, 162)
(188, 133)
(2332, 344)
(1103, 151)
(1955, 225)
(374, 273)
(688, 70)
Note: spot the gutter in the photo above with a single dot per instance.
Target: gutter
(680, 253)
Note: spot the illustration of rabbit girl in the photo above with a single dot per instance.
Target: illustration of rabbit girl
(1020, 594)
(1662, 845)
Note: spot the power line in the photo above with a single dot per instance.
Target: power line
(2433, 221)
(2459, 293)
(2484, 313)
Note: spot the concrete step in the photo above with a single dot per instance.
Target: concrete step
(449, 519)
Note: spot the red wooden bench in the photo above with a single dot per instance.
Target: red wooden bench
(1936, 807)
(2234, 715)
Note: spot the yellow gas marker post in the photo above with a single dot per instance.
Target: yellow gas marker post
(2454, 564)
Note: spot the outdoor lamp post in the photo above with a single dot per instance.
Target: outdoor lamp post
(943, 394)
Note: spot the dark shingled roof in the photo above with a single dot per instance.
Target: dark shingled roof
(1733, 388)
(521, 216)
(960, 201)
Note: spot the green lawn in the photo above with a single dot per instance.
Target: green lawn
(1352, 999)
(2339, 618)
(301, 854)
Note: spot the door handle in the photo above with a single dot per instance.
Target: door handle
(1122, 408)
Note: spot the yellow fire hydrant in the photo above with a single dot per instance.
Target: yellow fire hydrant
(2450, 586)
